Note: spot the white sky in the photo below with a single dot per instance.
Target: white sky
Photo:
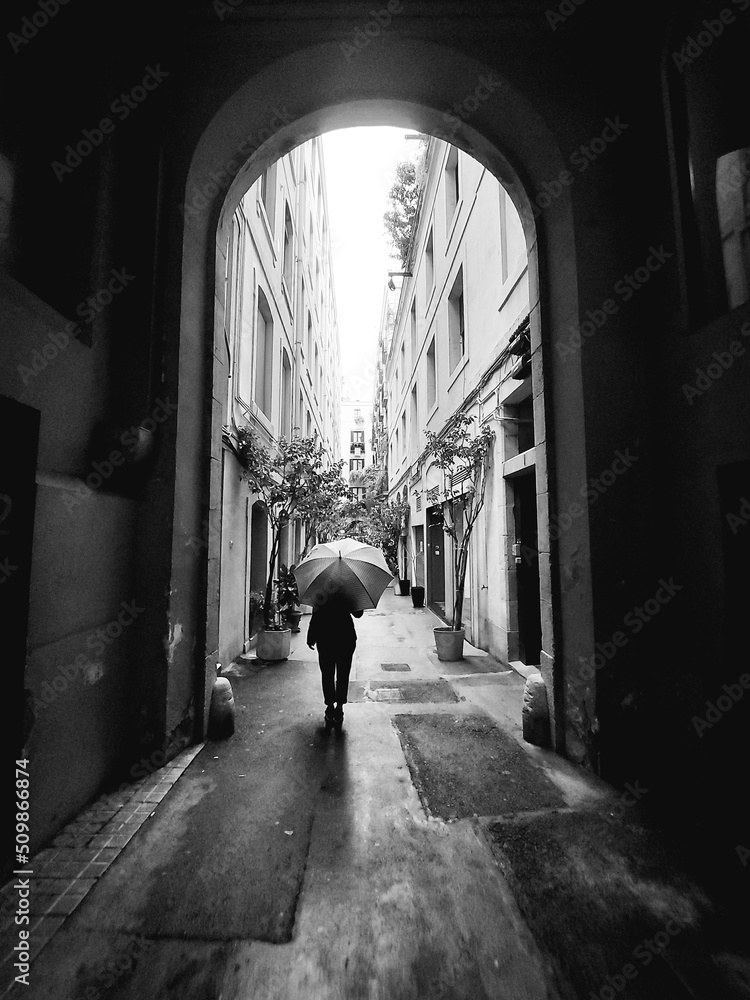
(360, 169)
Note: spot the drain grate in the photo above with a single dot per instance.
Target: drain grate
(395, 666)
(405, 691)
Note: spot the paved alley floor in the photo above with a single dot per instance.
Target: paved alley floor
(425, 852)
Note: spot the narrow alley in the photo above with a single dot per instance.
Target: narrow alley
(426, 851)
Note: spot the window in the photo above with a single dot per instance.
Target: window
(503, 234)
(356, 464)
(456, 327)
(268, 194)
(413, 333)
(288, 256)
(402, 362)
(403, 430)
(452, 193)
(431, 376)
(712, 149)
(285, 426)
(414, 417)
(358, 437)
(733, 203)
(263, 355)
(233, 297)
(429, 257)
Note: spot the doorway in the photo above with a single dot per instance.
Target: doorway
(526, 552)
(436, 562)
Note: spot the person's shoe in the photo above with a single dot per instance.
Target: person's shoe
(339, 715)
(330, 716)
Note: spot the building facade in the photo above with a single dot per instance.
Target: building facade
(379, 437)
(460, 344)
(283, 361)
(356, 442)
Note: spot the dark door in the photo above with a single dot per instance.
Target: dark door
(527, 569)
(435, 561)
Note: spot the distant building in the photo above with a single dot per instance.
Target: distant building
(380, 401)
(356, 442)
(283, 358)
(459, 344)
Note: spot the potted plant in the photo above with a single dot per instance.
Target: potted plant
(404, 583)
(417, 592)
(463, 457)
(287, 597)
(293, 480)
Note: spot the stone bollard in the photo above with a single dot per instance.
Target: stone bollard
(535, 711)
(221, 712)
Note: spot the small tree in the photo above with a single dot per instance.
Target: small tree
(463, 457)
(399, 220)
(293, 482)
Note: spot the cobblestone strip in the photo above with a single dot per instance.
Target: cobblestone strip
(80, 854)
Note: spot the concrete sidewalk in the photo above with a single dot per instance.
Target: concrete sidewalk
(289, 863)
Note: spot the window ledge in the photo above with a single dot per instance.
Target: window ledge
(458, 369)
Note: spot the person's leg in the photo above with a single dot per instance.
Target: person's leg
(327, 661)
(343, 669)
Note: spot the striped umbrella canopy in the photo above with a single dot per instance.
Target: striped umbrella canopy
(357, 571)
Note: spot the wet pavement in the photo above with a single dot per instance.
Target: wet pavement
(426, 851)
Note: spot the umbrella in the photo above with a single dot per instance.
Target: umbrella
(347, 567)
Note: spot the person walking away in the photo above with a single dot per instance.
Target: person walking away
(332, 631)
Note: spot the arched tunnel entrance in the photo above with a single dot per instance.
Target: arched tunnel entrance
(499, 130)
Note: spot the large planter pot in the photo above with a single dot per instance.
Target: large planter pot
(403, 587)
(449, 644)
(417, 597)
(291, 618)
(273, 644)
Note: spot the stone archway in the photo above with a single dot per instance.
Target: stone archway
(429, 88)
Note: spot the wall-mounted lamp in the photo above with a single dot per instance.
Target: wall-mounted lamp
(397, 274)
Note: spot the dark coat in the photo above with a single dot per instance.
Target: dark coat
(331, 625)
